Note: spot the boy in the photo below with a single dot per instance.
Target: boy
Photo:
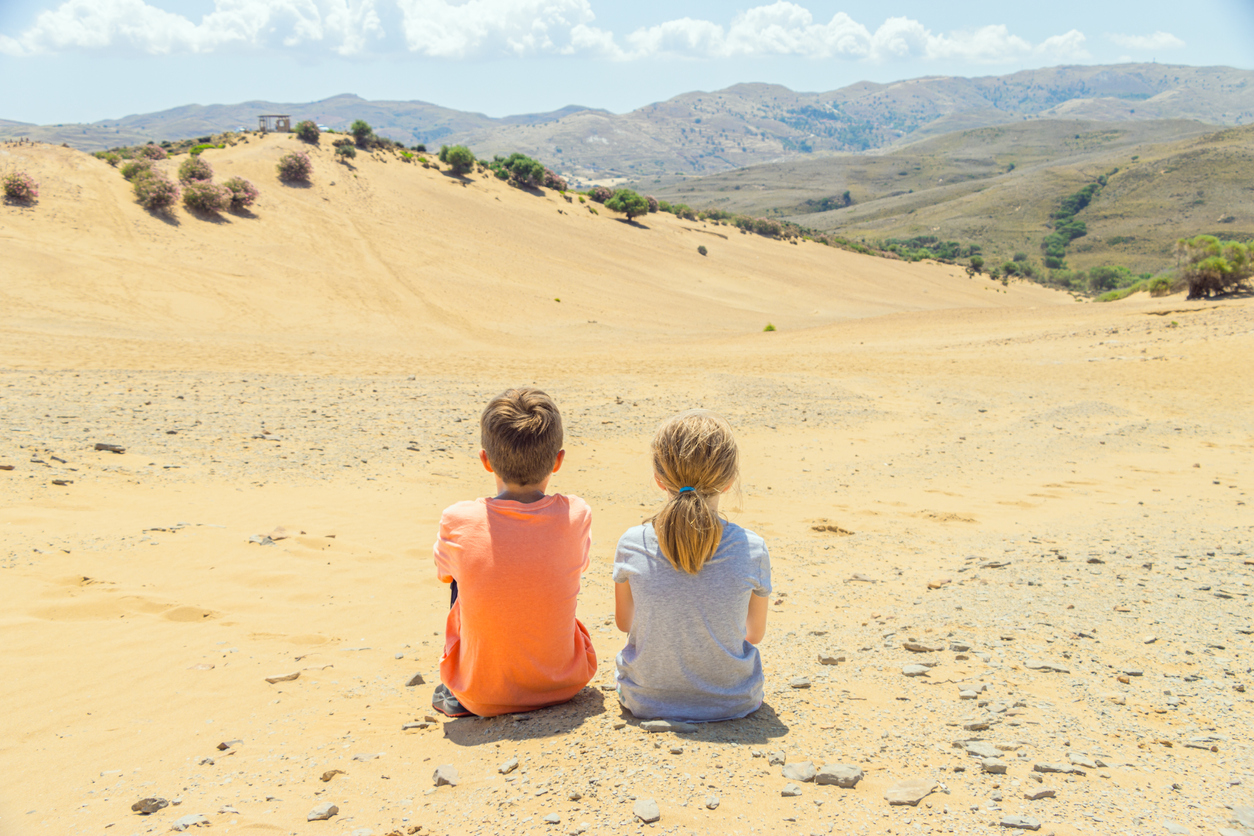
(511, 640)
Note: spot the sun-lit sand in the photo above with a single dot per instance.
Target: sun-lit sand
(1053, 495)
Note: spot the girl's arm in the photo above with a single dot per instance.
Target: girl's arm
(755, 623)
(624, 606)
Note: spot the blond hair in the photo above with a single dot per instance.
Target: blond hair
(696, 450)
(521, 431)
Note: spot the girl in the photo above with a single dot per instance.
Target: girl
(690, 589)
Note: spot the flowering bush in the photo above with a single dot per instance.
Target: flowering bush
(19, 186)
(133, 168)
(194, 169)
(307, 131)
(202, 196)
(156, 191)
(554, 181)
(600, 194)
(153, 152)
(242, 192)
(295, 166)
(652, 201)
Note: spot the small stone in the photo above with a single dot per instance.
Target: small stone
(775, 758)
(552, 818)
(445, 775)
(367, 756)
(205, 762)
(993, 766)
(193, 820)
(842, 775)
(416, 679)
(667, 726)
(646, 810)
(1020, 823)
(803, 771)
(286, 677)
(980, 748)
(227, 810)
(711, 802)
(1081, 760)
(1039, 665)
(967, 695)
(322, 812)
(1038, 794)
(508, 767)
(790, 791)
(1060, 768)
(146, 806)
(331, 773)
(799, 682)
(677, 750)
(574, 795)
(1175, 829)
(1150, 639)
(959, 646)
(975, 725)
(910, 791)
(937, 583)
(920, 647)
(619, 724)
(915, 670)
(831, 658)
(416, 725)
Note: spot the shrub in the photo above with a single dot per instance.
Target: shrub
(155, 191)
(203, 196)
(459, 158)
(345, 152)
(1213, 266)
(362, 132)
(307, 131)
(153, 152)
(295, 166)
(133, 168)
(195, 170)
(243, 193)
(196, 150)
(628, 202)
(600, 194)
(20, 186)
(421, 147)
(652, 201)
(1159, 286)
(769, 327)
(111, 157)
(701, 249)
(977, 264)
(555, 181)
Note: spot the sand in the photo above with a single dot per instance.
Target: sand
(1046, 499)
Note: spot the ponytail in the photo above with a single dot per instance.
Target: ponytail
(694, 457)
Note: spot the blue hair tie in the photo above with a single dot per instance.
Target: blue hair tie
(685, 490)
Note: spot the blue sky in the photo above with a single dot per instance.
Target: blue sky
(86, 60)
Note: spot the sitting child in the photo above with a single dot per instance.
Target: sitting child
(691, 590)
(511, 640)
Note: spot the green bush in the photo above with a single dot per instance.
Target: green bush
(307, 131)
(345, 152)
(133, 168)
(628, 202)
(769, 327)
(362, 132)
(1159, 286)
(1213, 266)
(155, 191)
(205, 197)
(111, 157)
(196, 150)
(701, 249)
(459, 158)
(195, 169)
(295, 167)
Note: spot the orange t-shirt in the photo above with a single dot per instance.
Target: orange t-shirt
(511, 641)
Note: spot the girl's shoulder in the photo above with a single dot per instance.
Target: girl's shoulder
(741, 539)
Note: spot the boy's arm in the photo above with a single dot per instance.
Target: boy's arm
(755, 622)
(624, 606)
(445, 551)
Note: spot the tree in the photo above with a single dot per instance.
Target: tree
(1213, 266)
(362, 132)
(977, 264)
(628, 202)
(458, 157)
(308, 131)
(344, 153)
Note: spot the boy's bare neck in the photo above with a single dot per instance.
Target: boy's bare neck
(526, 494)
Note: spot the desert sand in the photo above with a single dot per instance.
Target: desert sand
(1041, 503)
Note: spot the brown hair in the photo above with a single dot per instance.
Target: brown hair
(694, 449)
(521, 430)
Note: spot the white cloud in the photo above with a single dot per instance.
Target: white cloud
(464, 29)
(1156, 41)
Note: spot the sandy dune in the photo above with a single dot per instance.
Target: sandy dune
(1071, 478)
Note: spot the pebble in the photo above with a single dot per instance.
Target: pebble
(831, 658)
(775, 758)
(508, 767)
(1150, 639)
(802, 771)
(1174, 829)
(980, 748)
(677, 750)
(416, 679)
(993, 766)
(910, 791)
(1081, 760)
(1020, 823)
(967, 695)
(1037, 795)
(919, 647)
(145, 806)
(322, 812)
(790, 791)
(915, 670)
(445, 775)
(1061, 768)
(799, 682)
(574, 795)
(646, 810)
(552, 818)
(367, 756)
(1049, 667)
(286, 677)
(840, 775)
(667, 726)
(711, 802)
(193, 820)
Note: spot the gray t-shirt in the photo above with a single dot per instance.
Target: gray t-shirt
(686, 656)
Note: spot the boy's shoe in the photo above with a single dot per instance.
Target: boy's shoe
(444, 702)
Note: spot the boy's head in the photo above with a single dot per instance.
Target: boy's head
(521, 431)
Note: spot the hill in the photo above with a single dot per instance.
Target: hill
(388, 256)
(746, 124)
(997, 186)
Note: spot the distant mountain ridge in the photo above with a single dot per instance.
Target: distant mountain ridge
(745, 124)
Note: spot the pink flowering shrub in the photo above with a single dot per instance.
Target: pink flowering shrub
(600, 194)
(554, 181)
(203, 196)
(153, 152)
(156, 191)
(295, 166)
(652, 201)
(242, 192)
(195, 169)
(19, 186)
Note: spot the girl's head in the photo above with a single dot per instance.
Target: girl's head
(694, 459)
